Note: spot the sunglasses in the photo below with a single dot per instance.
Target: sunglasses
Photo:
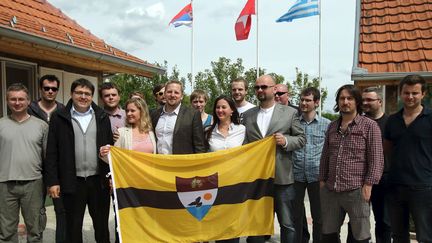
(46, 89)
(262, 87)
(160, 93)
(280, 93)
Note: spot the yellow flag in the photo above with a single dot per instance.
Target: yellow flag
(196, 197)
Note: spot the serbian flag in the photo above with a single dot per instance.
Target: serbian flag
(244, 21)
(184, 17)
(194, 197)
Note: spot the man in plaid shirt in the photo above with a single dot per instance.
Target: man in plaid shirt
(352, 161)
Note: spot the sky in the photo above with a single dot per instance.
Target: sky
(140, 27)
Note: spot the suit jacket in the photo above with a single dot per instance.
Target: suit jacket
(188, 135)
(286, 121)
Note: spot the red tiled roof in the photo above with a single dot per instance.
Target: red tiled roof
(41, 19)
(396, 36)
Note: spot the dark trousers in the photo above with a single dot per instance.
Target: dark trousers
(380, 208)
(60, 236)
(313, 190)
(414, 200)
(89, 193)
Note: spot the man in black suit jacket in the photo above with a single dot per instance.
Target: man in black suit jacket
(73, 171)
(178, 128)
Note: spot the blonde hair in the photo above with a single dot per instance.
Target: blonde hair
(144, 124)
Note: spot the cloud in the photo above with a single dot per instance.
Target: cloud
(225, 9)
(136, 27)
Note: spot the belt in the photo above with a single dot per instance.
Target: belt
(82, 178)
(19, 182)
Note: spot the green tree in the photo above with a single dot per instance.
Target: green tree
(129, 83)
(303, 81)
(217, 80)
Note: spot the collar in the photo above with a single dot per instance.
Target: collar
(425, 111)
(266, 110)
(356, 120)
(316, 117)
(117, 112)
(175, 111)
(75, 112)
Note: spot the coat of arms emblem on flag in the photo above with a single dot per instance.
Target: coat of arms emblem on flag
(197, 194)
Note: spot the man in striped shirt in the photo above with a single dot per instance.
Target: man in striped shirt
(352, 161)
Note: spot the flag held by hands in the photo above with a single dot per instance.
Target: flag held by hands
(184, 17)
(244, 21)
(301, 9)
(194, 197)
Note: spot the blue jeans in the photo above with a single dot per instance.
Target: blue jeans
(416, 200)
(284, 196)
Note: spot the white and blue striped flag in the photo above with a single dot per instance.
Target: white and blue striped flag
(301, 9)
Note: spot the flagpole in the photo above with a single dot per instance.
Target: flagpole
(319, 58)
(257, 41)
(192, 49)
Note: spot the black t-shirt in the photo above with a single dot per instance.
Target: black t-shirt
(411, 155)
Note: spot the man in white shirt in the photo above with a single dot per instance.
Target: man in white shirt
(281, 122)
(239, 89)
(178, 128)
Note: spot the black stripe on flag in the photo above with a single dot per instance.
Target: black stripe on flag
(238, 193)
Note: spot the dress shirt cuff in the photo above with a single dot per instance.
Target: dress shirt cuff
(286, 143)
(370, 181)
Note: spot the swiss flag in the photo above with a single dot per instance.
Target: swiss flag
(244, 21)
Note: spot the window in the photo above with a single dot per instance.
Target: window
(16, 72)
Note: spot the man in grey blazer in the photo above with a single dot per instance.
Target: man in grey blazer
(178, 128)
(281, 122)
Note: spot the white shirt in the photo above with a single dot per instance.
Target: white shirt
(83, 118)
(235, 137)
(263, 119)
(165, 130)
(245, 107)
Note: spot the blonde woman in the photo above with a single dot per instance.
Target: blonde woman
(138, 133)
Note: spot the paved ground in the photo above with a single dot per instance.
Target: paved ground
(49, 233)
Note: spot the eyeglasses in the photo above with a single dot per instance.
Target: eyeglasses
(80, 93)
(280, 93)
(46, 89)
(262, 87)
(369, 100)
(159, 93)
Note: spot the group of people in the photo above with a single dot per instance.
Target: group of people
(362, 157)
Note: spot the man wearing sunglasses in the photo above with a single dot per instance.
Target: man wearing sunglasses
(43, 109)
(47, 104)
(158, 92)
(281, 122)
(282, 96)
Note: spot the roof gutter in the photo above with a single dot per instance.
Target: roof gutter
(386, 76)
(357, 40)
(16, 34)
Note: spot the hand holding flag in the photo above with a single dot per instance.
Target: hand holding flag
(244, 21)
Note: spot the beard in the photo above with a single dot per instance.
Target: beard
(261, 97)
